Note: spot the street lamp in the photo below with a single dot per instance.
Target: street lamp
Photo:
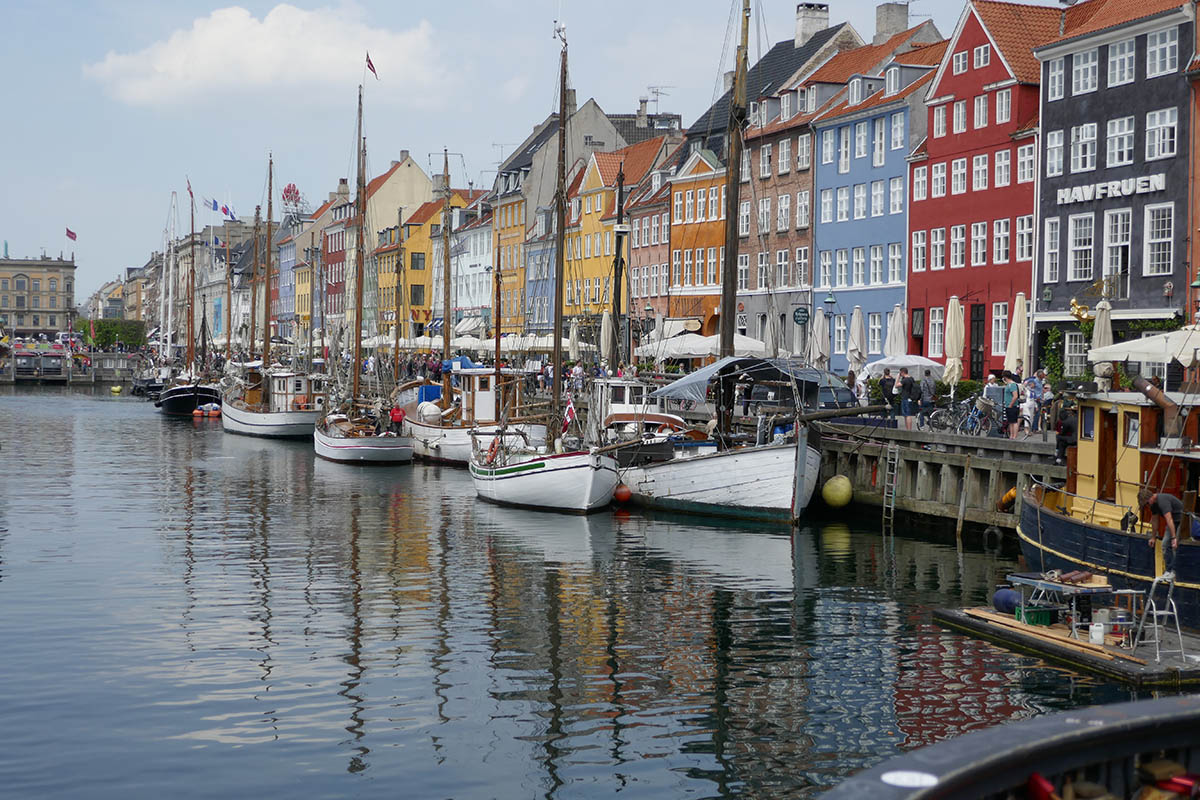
(830, 301)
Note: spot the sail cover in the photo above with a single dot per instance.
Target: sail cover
(694, 385)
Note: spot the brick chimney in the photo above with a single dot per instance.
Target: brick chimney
(890, 19)
(727, 81)
(811, 18)
(642, 120)
(439, 183)
(571, 102)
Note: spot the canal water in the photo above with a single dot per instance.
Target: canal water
(194, 614)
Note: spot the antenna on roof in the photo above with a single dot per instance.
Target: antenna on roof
(656, 92)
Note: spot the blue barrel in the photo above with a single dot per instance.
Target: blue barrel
(429, 393)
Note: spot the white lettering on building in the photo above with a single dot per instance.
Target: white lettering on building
(1122, 188)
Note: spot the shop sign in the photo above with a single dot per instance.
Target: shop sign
(1125, 187)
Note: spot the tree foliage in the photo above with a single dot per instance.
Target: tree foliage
(130, 332)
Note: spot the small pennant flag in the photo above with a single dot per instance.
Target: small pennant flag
(214, 205)
(228, 211)
(189, 183)
(371, 67)
(569, 415)
(70, 234)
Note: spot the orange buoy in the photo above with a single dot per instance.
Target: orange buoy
(622, 493)
(196, 412)
(216, 412)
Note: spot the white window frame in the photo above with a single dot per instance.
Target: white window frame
(804, 151)
(958, 176)
(917, 251)
(891, 81)
(938, 180)
(959, 121)
(979, 172)
(860, 201)
(858, 266)
(895, 273)
(876, 198)
(937, 248)
(1003, 106)
(860, 139)
(999, 328)
(1118, 238)
(827, 146)
(843, 203)
(982, 56)
(939, 121)
(1074, 354)
(874, 332)
(1118, 143)
(785, 156)
(800, 273)
(1081, 259)
(898, 130)
(783, 212)
(1084, 147)
(1085, 72)
(827, 205)
(875, 257)
(803, 209)
(958, 246)
(1162, 129)
(1003, 167)
(1024, 238)
(1026, 163)
(1051, 254)
(920, 184)
(1121, 60)
(1167, 244)
(979, 244)
(764, 161)
(1055, 79)
(981, 112)
(959, 62)
(896, 196)
(1054, 153)
(937, 331)
(1001, 245)
(1162, 52)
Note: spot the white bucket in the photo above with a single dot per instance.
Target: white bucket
(1096, 633)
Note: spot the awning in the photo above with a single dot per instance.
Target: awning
(435, 326)
(468, 326)
(694, 385)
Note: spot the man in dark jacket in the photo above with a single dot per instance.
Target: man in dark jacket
(887, 385)
(910, 396)
(1066, 435)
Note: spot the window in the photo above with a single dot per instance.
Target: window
(804, 151)
(891, 81)
(855, 91)
(958, 176)
(1025, 238)
(1120, 62)
(896, 196)
(677, 268)
(860, 140)
(1054, 79)
(761, 277)
(839, 334)
(843, 277)
(764, 161)
(743, 271)
(781, 268)
(1026, 163)
(826, 268)
(898, 130)
(587, 243)
(979, 173)
(937, 330)
(919, 183)
(860, 266)
(860, 201)
(1081, 239)
(712, 202)
(875, 332)
(785, 155)
(876, 264)
(688, 206)
(983, 55)
(827, 205)
(937, 248)
(1084, 74)
(764, 214)
(844, 149)
(1075, 359)
(1003, 167)
(1160, 222)
(960, 116)
(1000, 229)
(664, 287)
(744, 218)
(1120, 142)
(802, 209)
(978, 244)
(1054, 153)
(1117, 224)
(1162, 52)
(876, 198)
(999, 328)
(1003, 105)
(895, 262)
(879, 143)
(960, 62)
(1050, 252)
(1160, 133)
(958, 246)
(939, 122)
(678, 207)
(981, 111)
(827, 147)
(783, 214)
(1083, 147)
(712, 265)
(587, 205)
(699, 206)
(939, 181)
(843, 203)
(918, 251)
(801, 273)
(785, 107)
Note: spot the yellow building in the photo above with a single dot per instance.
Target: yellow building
(423, 257)
(508, 226)
(387, 255)
(36, 295)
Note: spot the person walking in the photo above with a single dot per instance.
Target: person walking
(928, 391)
(1065, 435)
(1012, 404)
(910, 395)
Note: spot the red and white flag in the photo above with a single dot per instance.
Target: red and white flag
(371, 67)
(569, 415)
(70, 234)
(189, 183)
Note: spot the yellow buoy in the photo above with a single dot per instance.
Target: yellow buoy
(115, 389)
(837, 491)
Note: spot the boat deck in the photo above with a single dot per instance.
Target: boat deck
(1054, 643)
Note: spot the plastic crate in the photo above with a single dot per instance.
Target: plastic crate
(1035, 615)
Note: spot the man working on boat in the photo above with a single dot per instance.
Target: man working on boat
(1167, 506)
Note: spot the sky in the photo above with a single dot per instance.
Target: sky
(113, 106)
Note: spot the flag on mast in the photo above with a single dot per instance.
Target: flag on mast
(70, 234)
(371, 66)
(568, 415)
(189, 183)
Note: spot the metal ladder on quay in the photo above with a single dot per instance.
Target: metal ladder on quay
(890, 471)
(1160, 620)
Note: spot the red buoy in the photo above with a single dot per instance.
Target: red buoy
(622, 493)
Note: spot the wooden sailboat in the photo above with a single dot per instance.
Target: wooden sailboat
(359, 430)
(260, 401)
(578, 481)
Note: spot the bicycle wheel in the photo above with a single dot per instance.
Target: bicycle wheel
(939, 420)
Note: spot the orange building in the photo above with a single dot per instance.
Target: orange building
(697, 241)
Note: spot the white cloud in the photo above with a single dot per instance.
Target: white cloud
(230, 53)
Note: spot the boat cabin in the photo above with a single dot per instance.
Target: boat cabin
(288, 391)
(478, 393)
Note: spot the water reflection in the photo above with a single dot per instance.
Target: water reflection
(277, 623)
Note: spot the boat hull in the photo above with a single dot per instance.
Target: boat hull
(568, 482)
(1050, 540)
(452, 445)
(363, 450)
(271, 424)
(754, 483)
(181, 401)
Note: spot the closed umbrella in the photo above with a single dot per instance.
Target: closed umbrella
(608, 341)
(856, 350)
(897, 338)
(572, 341)
(1102, 336)
(771, 334)
(1018, 335)
(659, 322)
(955, 336)
(818, 340)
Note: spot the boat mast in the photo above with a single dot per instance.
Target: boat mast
(228, 297)
(618, 264)
(553, 430)
(254, 287)
(398, 265)
(191, 329)
(171, 254)
(163, 288)
(496, 327)
(446, 280)
(361, 203)
(266, 357)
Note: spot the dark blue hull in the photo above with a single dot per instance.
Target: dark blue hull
(181, 401)
(1050, 540)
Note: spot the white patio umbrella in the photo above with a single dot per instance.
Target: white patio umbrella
(742, 345)
(818, 340)
(896, 343)
(915, 364)
(954, 340)
(1182, 345)
(1102, 336)
(572, 341)
(1018, 335)
(856, 350)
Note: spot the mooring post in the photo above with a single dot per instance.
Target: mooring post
(962, 505)
(801, 471)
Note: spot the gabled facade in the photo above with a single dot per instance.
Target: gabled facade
(697, 242)
(472, 269)
(649, 213)
(972, 183)
(1115, 197)
(539, 272)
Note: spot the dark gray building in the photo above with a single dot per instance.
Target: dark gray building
(1113, 200)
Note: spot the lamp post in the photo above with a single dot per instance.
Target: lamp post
(830, 301)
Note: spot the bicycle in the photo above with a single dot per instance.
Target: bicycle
(950, 417)
(982, 419)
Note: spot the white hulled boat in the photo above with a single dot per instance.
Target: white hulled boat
(276, 404)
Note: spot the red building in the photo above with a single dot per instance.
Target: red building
(972, 182)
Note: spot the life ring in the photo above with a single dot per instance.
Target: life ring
(300, 403)
(666, 427)
(492, 450)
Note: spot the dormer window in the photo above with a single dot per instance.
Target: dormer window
(801, 100)
(785, 106)
(812, 100)
(753, 113)
(655, 182)
(855, 91)
(892, 80)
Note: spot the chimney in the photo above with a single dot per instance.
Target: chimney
(642, 119)
(570, 102)
(403, 155)
(439, 183)
(890, 19)
(343, 187)
(811, 18)
(727, 81)
(395, 164)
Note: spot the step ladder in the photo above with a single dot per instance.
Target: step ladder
(1156, 621)
(890, 470)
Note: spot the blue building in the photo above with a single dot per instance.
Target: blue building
(860, 232)
(539, 273)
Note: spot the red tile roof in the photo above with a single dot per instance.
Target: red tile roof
(878, 98)
(924, 55)
(1018, 28)
(860, 60)
(1097, 15)
(424, 212)
(324, 207)
(637, 159)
